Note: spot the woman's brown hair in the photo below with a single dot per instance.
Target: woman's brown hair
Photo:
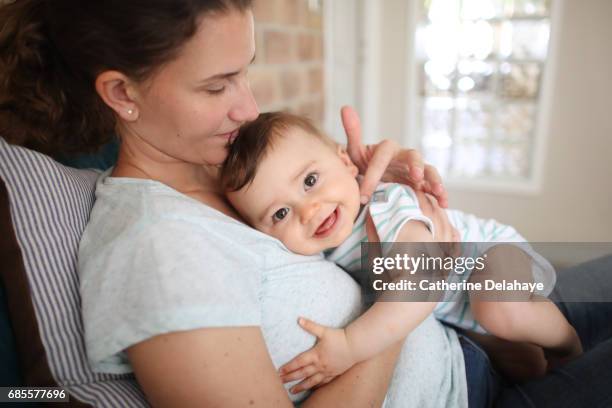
(51, 52)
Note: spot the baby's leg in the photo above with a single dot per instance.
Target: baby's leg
(519, 316)
(515, 358)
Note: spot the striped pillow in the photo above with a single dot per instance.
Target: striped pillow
(49, 207)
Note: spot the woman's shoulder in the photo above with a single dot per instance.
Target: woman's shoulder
(148, 198)
(133, 216)
(130, 203)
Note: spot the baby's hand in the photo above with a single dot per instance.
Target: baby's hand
(331, 356)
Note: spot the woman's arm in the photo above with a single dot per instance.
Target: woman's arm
(231, 367)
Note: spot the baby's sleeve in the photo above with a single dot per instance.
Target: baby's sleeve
(170, 276)
(392, 206)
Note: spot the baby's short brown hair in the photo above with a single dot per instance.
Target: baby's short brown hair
(254, 141)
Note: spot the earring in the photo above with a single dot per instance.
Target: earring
(130, 111)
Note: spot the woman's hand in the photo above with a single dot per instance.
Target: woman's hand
(330, 357)
(444, 231)
(386, 161)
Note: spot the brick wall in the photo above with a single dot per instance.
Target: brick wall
(288, 70)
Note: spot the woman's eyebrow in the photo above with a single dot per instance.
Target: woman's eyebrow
(225, 75)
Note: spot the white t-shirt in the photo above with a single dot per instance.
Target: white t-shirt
(153, 261)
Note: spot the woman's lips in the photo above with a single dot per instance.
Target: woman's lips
(327, 225)
(230, 136)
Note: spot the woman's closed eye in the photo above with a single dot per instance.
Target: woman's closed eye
(310, 180)
(216, 90)
(279, 215)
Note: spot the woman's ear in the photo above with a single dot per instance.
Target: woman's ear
(118, 92)
(344, 156)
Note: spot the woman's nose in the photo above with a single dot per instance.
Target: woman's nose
(245, 107)
(308, 211)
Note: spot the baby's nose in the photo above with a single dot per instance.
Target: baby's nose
(308, 211)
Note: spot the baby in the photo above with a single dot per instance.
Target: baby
(290, 181)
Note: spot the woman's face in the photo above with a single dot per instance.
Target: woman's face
(192, 107)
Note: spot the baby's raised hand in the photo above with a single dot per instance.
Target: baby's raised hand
(331, 356)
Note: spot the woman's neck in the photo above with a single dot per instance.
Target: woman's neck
(197, 181)
(180, 176)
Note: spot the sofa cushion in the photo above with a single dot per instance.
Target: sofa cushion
(49, 206)
(9, 369)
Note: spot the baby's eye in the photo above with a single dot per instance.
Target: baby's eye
(311, 180)
(280, 214)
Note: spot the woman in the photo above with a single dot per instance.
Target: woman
(174, 287)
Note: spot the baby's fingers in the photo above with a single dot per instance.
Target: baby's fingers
(300, 373)
(311, 327)
(302, 360)
(308, 383)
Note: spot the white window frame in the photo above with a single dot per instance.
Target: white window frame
(351, 44)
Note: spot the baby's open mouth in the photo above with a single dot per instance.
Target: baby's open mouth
(327, 225)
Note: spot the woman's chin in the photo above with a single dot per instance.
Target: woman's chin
(214, 158)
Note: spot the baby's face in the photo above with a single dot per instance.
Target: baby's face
(304, 193)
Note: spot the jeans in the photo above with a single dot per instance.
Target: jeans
(482, 380)
(585, 382)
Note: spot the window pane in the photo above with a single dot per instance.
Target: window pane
(437, 125)
(441, 44)
(476, 78)
(481, 9)
(469, 159)
(527, 39)
(441, 10)
(520, 80)
(509, 160)
(518, 8)
(437, 122)
(437, 80)
(516, 122)
(476, 39)
(474, 119)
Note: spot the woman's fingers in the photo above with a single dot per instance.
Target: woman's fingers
(413, 161)
(371, 229)
(308, 383)
(435, 187)
(311, 327)
(374, 249)
(384, 152)
(444, 231)
(300, 373)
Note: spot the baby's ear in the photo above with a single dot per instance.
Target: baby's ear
(344, 156)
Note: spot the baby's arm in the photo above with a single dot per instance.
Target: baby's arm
(386, 322)
(381, 326)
